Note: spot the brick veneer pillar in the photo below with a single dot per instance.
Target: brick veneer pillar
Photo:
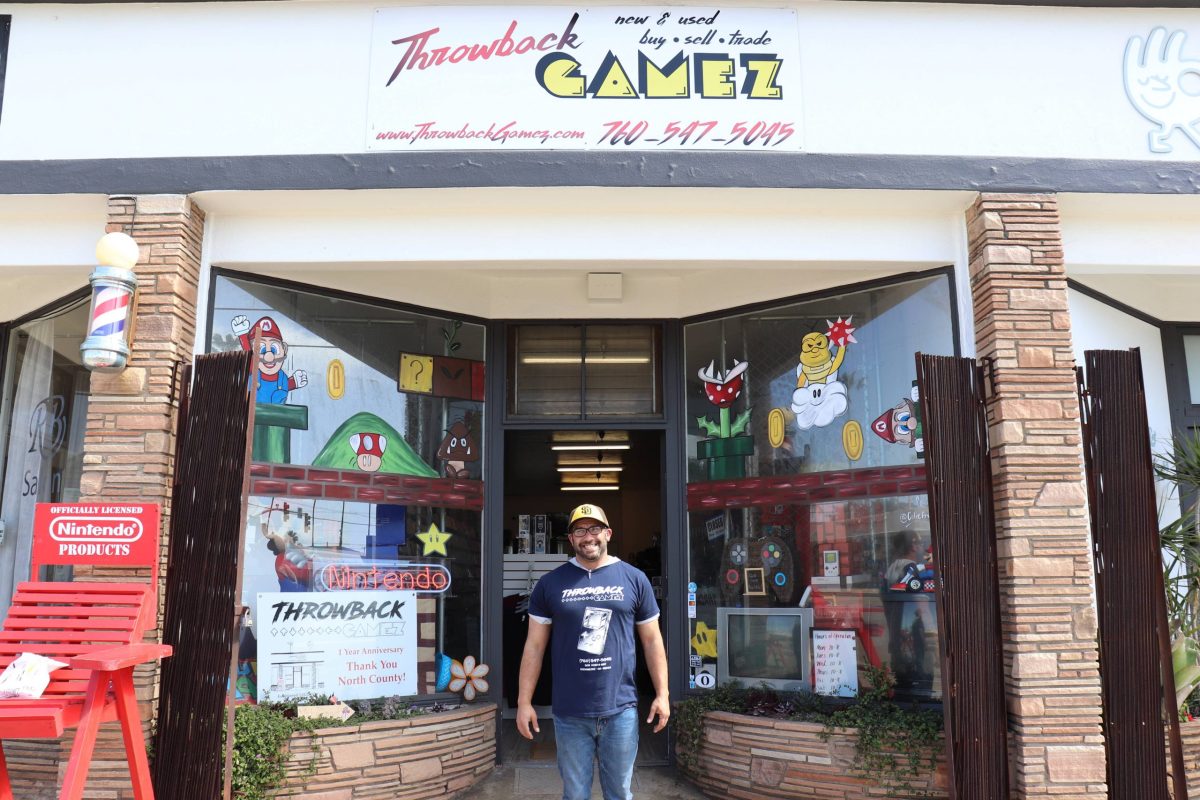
(129, 444)
(1047, 586)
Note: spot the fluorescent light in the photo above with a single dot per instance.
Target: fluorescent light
(590, 447)
(596, 488)
(588, 360)
(590, 469)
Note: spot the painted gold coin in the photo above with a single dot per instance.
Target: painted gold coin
(852, 440)
(335, 379)
(776, 427)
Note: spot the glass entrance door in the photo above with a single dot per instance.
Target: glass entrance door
(548, 472)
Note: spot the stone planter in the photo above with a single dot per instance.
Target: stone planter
(1189, 734)
(429, 756)
(754, 757)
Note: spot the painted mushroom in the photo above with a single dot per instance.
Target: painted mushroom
(368, 450)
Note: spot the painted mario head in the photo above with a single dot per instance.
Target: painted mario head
(898, 424)
(368, 450)
(271, 347)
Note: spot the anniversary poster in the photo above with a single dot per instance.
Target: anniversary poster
(354, 645)
(559, 77)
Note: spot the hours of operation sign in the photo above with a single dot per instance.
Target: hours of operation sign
(561, 78)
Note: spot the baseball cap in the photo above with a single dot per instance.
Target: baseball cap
(587, 511)
(267, 327)
(883, 426)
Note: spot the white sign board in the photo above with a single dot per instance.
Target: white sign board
(835, 663)
(609, 78)
(354, 645)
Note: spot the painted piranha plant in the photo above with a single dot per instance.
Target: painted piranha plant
(729, 441)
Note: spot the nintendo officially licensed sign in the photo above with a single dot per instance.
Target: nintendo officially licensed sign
(555, 77)
(117, 534)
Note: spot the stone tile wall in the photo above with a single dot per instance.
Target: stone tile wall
(438, 755)
(1047, 586)
(751, 758)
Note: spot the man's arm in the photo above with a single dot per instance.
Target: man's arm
(656, 661)
(531, 667)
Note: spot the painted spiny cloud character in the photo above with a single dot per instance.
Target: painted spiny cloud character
(820, 397)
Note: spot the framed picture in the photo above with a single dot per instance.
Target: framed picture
(755, 580)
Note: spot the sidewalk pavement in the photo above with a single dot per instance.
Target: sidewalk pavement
(538, 782)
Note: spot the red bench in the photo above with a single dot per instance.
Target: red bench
(97, 629)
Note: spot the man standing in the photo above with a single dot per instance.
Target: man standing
(593, 604)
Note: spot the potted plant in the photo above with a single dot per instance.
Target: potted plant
(780, 745)
(1180, 542)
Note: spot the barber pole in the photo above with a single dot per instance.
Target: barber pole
(106, 348)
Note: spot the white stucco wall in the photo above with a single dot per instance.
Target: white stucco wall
(128, 80)
(1098, 326)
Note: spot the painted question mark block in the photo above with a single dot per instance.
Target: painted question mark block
(416, 373)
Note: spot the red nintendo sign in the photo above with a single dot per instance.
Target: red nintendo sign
(124, 534)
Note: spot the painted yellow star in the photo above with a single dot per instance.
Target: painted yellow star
(705, 640)
(434, 541)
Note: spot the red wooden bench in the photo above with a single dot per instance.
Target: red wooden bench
(97, 629)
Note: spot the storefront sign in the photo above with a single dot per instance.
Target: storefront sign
(532, 78)
(354, 645)
(340, 576)
(96, 533)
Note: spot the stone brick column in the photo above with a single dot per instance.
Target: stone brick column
(129, 444)
(1047, 585)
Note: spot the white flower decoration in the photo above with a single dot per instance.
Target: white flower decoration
(468, 677)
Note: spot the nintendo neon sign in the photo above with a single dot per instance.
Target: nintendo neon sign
(381, 576)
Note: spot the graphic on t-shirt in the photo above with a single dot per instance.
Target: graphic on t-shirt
(595, 630)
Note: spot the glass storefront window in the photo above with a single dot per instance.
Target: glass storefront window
(809, 547)
(1191, 354)
(42, 425)
(364, 542)
(585, 371)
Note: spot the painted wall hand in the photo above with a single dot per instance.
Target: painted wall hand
(1163, 86)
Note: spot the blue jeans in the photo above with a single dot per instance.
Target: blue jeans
(580, 740)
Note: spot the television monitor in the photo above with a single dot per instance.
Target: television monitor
(765, 646)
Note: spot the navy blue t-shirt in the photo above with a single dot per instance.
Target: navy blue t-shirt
(591, 642)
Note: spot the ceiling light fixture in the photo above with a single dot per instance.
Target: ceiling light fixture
(590, 447)
(595, 488)
(590, 469)
(591, 359)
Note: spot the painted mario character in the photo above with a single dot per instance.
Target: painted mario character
(293, 568)
(273, 383)
(901, 424)
(368, 450)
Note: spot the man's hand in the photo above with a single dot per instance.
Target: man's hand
(660, 707)
(526, 719)
(241, 324)
(301, 378)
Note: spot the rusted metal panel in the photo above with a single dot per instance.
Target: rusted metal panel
(202, 572)
(1134, 639)
(958, 469)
